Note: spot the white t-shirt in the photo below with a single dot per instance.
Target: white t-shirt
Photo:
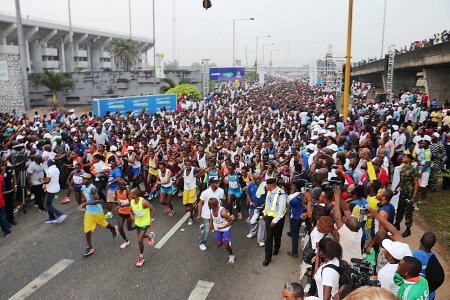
(386, 278)
(46, 155)
(207, 194)
(316, 236)
(53, 186)
(328, 277)
(350, 242)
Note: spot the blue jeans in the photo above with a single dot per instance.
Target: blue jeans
(204, 231)
(3, 221)
(52, 212)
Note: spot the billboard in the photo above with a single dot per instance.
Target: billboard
(226, 74)
(151, 104)
(160, 65)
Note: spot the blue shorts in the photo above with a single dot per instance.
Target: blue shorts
(143, 228)
(223, 236)
(236, 192)
(135, 172)
(168, 190)
(77, 188)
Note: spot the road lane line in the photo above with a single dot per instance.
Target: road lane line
(201, 290)
(172, 231)
(42, 279)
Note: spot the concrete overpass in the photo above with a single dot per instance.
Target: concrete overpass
(430, 65)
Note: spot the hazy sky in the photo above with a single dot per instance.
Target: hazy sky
(307, 26)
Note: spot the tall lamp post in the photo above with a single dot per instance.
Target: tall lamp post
(264, 49)
(154, 51)
(258, 37)
(347, 61)
(234, 37)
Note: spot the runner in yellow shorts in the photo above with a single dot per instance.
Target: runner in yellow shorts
(94, 213)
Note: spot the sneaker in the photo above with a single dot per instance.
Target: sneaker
(88, 252)
(82, 208)
(171, 212)
(231, 258)
(190, 222)
(125, 244)
(50, 221)
(60, 219)
(151, 238)
(262, 244)
(239, 216)
(9, 234)
(65, 200)
(42, 210)
(140, 262)
(116, 230)
(35, 204)
(249, 236)
(109, 215)
(166, 209)
(180, 193)
(145, 195)
(202, 247)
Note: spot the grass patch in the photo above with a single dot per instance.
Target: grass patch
(435, 216)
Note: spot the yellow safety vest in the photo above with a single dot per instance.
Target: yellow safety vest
(272, 212)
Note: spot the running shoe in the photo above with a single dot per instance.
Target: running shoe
(171, 212)
(151, 238)
(239, 216)
(65, 200)
(249, 236)
(50, 221)
(109, 215)
(114, 233)
(262, 244)
(125, 244)
(140, 262)
(88, 251)
(166, 209)
(190, 222)
(145, 195)
(231, 258)
(60, 219)
(202, 247)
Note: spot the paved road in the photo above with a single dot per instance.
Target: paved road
(171, 272)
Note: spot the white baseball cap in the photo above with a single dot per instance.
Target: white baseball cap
(19, 137)
(113, 148)
(130, 148)
(398, 250)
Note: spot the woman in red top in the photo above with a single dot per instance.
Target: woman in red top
(3, 222)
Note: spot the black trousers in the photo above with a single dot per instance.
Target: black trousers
(38, 195)
(295, 230)
(9, 205)
(273, 237)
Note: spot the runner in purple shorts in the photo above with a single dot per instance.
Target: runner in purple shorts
(221, 222)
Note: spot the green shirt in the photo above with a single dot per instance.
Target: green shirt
(408, 175)
(411, 290)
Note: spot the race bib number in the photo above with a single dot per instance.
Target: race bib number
(233, 185)
(138, 213)
(124, 202)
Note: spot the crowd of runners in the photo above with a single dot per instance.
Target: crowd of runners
(251, 154)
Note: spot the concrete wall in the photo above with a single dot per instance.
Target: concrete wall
(437, 82)
(90, 85)
(11, 93)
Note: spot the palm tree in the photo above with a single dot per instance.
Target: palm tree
(55, 82)
(125, 53)
(165, 88)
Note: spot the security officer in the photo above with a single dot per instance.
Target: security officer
(274, 212)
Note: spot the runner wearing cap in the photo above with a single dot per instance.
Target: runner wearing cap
(94, 213)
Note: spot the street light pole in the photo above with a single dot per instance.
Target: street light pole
(22, 57)
(154, 51)
(270, 63)
(129, 16)
(384, 25)
(70, 64)
(234, 37)
(256, 60)
(347, 61)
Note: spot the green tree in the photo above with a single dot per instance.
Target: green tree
(170, 84)
(187, 89)
(55, 82)
(125, 53)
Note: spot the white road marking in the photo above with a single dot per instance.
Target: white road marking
(201, 290)
(172, 231)
(42, 279)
